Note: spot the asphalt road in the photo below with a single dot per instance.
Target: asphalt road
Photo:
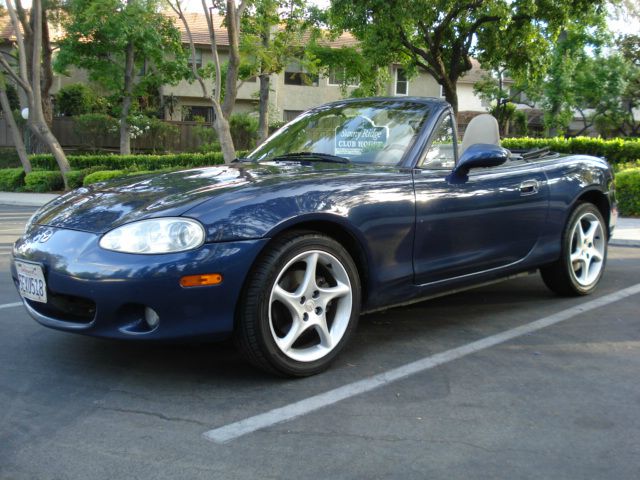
(561, 402)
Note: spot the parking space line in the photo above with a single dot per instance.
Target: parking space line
(10, 305)
(279, 415)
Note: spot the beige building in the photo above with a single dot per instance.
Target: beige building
(292, 91)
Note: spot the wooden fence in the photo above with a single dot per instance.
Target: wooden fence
(186, 138)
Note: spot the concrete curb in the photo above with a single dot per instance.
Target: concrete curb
(624, 243)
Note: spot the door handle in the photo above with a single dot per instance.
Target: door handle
(529, 187)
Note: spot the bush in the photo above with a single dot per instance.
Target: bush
(628, 192)
(42, 181)
(11, 179)
(9, 158)
(95, 128)
(102, 176)
(244, 131)
(78, 99)
(160, 134)
(139, 162)
(615, 150)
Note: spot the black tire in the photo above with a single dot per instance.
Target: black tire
(560, 276)
(254, 331)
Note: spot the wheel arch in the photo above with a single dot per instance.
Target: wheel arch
(340, 231)
(598, 198)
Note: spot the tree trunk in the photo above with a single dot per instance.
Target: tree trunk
(125, 128)
(231, 84)
(451, 95)
(36, 117)
(47, 71)
(15, 131)
(221, 124)
(263, 122)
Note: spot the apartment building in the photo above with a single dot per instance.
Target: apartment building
(292, 91)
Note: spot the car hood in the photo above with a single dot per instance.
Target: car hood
(102, 207)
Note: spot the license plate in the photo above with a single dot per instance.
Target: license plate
(32, 284)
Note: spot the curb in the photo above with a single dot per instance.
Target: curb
(624, 243)
(26, 199)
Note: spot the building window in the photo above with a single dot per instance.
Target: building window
(192, 113)
(291, 114)
(198, 58)
(294, 74)
(338, 76)
(402, 84)
(441, 91)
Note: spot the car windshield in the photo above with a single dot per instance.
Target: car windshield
(372, 132)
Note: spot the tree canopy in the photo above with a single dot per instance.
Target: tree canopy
(441, 36)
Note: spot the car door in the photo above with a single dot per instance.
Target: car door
(490, 221)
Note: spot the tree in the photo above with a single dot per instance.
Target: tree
(5, 103)
(31, 83)
(440, 36)
(271, 38)
(222, 104)
(127, 47)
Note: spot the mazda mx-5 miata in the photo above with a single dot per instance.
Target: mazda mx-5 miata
(354, 206)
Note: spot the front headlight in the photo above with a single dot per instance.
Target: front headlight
(157, 235)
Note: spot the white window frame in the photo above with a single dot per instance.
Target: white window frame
(395, 89)
(441, 91)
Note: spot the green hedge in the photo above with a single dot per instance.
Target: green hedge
(103, 175)
(628, 192)
(141, 162)
(11, 179)
(43, 181)
(615, 150)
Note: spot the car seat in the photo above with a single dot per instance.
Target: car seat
(481, 129)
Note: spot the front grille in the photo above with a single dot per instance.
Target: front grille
(66, 308)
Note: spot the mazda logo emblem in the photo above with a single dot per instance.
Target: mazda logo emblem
(44, 236)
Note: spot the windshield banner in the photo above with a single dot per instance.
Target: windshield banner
(359, 135)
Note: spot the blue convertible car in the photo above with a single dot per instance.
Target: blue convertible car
(354, 206)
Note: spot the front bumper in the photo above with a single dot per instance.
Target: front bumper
(102, 293)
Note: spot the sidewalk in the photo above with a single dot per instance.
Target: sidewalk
(26, 199)
(627, 231)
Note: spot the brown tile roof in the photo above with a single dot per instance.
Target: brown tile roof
(6, 29)
(200, 32)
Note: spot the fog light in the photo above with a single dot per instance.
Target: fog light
(201, 280)
(151, 317)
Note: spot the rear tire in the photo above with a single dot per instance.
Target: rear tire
(300, 305)
(584, 254)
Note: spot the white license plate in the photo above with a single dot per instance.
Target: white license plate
(32, 283)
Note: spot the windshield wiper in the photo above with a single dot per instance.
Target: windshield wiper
(322, 157)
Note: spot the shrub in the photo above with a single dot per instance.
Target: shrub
(628, 192)
(75, 178)
(615, 150)
(102, 176)
(94, 129)
(160, 134)
(140, 162)
(11, 179)
(78, 99)
(43, 181)
(9, 158)
(244, 131)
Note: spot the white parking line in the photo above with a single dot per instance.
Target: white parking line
(10, 305)
(234, 430)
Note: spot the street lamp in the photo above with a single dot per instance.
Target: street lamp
(25, 131)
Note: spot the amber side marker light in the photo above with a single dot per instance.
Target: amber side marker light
(201, 280)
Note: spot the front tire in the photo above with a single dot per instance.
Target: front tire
(583, 256)
(300, 305)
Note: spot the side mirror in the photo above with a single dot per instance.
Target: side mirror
(477, 156)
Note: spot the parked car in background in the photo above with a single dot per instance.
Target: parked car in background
(354, 206)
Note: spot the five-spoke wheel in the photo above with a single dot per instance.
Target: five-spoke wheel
(584, 253)
(300, 306)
